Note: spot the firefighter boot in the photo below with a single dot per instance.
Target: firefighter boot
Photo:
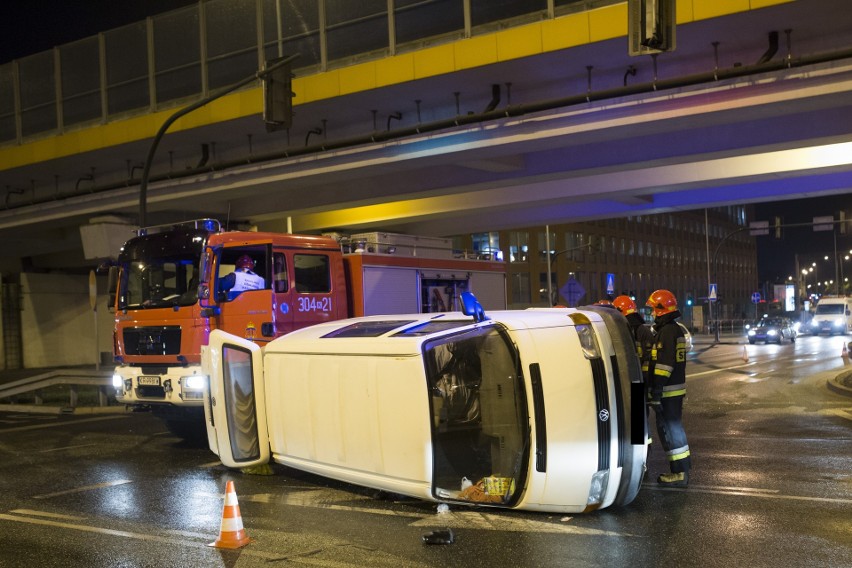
(679, 479)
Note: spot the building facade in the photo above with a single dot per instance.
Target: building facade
(683, 252)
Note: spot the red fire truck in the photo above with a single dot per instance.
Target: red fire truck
(175, 285)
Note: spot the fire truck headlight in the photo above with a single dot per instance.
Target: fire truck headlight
(117, 381)
(194, 382)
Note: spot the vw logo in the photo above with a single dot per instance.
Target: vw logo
(603, 415)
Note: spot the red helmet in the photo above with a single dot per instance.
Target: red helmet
(245, 261)
(625, 305)
(662, 302)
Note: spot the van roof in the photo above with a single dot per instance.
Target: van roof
(403, 334)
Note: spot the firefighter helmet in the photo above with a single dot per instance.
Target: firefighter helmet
(246, 262)
(662, 302)
(625, 305)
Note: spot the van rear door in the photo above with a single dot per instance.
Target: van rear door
(235, 402)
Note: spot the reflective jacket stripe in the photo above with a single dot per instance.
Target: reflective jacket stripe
(678, 453)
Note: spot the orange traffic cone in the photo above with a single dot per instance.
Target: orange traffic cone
(231, 534)
(745, 354)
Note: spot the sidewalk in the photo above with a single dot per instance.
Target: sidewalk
(841, 384)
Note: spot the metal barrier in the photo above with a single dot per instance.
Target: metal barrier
(72, 378)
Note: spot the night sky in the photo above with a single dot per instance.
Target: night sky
(31, 26)
(776, 257)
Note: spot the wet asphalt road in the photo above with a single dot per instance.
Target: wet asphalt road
(771, 486)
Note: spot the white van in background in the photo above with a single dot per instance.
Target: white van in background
(833, 315)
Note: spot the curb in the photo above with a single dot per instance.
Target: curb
(841, 384)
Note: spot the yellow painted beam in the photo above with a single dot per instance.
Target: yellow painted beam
(608, 22)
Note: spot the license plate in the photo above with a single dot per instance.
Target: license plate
(149, 380)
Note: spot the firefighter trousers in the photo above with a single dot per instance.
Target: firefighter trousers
(669, 414)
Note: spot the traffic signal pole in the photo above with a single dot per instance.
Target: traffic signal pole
(146, 171)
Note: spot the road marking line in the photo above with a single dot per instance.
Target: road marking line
(508, 523)
(324, 499)
(34, 513)
(81, 489)
(303, 557)
(65, 448)
(744, 489)
(61, 424)
(841, 413)
(751, 493)
(691, 375)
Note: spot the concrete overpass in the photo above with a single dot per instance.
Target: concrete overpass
(404, 141)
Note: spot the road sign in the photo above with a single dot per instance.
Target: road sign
(610, 283)
(572, 291)
(712, 296)
(758, 228)
(824, 223)
(755, 298)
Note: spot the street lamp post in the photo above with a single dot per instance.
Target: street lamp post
(716, 274)
(550, 267)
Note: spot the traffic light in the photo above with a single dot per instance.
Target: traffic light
(689, 299)
(650, 26)
(278, 96)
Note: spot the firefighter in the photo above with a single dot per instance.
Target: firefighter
(666, 381)
(242, 279)
(643, 337)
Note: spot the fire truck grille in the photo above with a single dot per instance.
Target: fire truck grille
(154, 340)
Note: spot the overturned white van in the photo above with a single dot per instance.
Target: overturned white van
(535, 409)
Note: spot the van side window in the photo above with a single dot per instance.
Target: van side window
(280, 280)
(313, 273)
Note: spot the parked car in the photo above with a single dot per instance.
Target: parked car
(772, 330)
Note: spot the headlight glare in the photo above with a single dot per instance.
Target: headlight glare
(194, 382)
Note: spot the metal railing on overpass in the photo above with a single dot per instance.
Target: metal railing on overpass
(183, 55)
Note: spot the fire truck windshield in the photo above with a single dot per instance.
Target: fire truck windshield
(160, 270)
(159, 283)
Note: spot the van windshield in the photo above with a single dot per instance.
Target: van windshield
(480, 421)
(829, 309)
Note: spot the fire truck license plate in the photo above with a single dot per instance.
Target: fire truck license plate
(149, 380)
